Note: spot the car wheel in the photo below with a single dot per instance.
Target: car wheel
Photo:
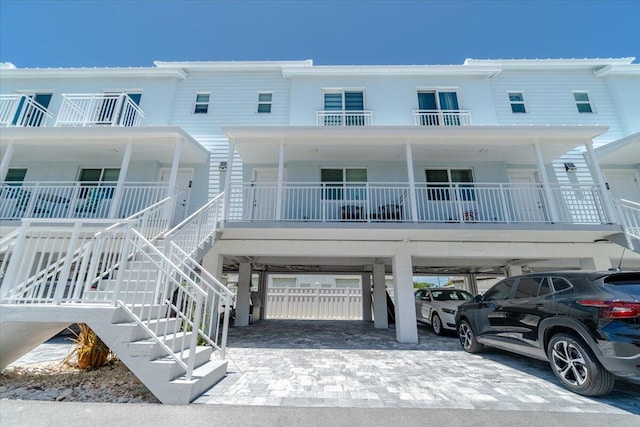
(577, 368)
(467, 338)
(436, 324)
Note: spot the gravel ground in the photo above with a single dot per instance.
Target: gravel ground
(55, 381)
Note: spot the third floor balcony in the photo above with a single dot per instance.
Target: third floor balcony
(100, 109)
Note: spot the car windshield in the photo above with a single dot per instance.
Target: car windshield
(451, 295)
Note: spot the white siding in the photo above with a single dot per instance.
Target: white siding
(549, 100)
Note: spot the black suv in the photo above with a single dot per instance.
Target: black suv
(586, 324)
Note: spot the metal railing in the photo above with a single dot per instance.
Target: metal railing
(100, 109)
(22, 111)
(344, 118)
(182, 246)
(118, 266)
(630, 218)
(391, 202)
(441, 118)
(77, 199)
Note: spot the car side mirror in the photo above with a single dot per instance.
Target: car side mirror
(477, 298)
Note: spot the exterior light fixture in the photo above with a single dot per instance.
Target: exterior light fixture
(570, 167)
(222, 166)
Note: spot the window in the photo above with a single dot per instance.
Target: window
(582, 102)
(517, 102)
(432, 102)
(439, 184)
(15, 175)
(264, 102)
(501, 291)
(531, 287)
(560, 284)
(201, 105)
(344, 102)
(343, 184)
(102, 177)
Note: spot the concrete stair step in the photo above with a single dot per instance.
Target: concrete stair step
(146, 298)
(149, 347)
(204, 377)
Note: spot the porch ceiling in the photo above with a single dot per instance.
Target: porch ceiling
(512, 144)
(625, 151)
(107, 144)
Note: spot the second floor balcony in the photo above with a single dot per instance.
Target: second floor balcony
(19, 110)
(77, 199)
(101, 109)
(506, 203)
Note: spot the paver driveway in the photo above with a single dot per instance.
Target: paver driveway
(352, 364)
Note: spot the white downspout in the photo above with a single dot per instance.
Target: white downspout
(553, 212)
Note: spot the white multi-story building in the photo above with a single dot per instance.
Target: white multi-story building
(285, 169)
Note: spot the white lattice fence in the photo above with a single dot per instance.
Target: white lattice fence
(314, 303)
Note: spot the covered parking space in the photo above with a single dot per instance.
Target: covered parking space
(403, 252)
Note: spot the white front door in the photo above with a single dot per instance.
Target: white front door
(526, 198)
(624, 185)
(264, 193)
(183, 187)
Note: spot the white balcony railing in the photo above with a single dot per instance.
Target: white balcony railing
(441, 118)
(22, 111)
(391, 202)
(102, 109)
(344, 118)
(76, 199)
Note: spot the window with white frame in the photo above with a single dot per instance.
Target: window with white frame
(583, 102)
(344, 107)
(516, 99)
(201, 106)
(432, 104)
(449, 184)
(264, 102)
(343, 183)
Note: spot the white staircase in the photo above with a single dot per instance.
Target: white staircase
(158, 310)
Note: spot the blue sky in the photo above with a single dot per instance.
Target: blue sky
(135, 33)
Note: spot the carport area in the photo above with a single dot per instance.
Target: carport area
(353, 364)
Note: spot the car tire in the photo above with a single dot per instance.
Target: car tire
(467, 338)
(574, 364)
(436, 324)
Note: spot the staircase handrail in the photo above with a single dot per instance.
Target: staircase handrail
(629, 212)
(218, 299)
(197, 220)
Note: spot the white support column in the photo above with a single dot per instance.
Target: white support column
(406, 326)
(473, 284)
(280, 182)
(124, 168)
(598, 263)
(243, 297)
(596, 174)
(548, 194)
(412, 184)
(173, 177)
(366, 297)
(227, 183)
(6, 160)
(514, 270)
(380, 319)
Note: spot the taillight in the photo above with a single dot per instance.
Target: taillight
(614, 309)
